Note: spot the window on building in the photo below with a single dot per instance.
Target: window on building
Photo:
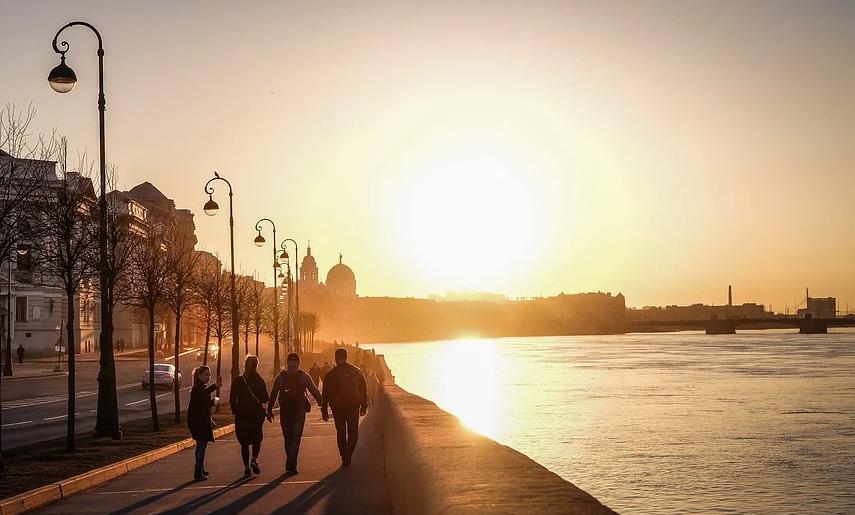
(21, 309)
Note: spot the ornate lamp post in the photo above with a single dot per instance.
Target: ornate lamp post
(211, 208)
(284, 255)
(259, 242)
(7, 364)
(62, 79)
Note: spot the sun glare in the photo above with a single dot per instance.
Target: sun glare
(469, 219)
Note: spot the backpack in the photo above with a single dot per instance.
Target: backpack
(292, 396)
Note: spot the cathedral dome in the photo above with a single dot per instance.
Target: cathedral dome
(341, 280)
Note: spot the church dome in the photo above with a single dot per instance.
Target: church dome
(341, 280)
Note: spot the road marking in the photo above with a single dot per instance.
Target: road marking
(38, 401)
(59, 416)
(147, 399)
(248, 484)
(18, 423)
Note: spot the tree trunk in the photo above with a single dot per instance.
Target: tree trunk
(155, 422)
(246, 339)
(175, 387)
(257, 330)
(219, 359)
(207, 337)
(107, 417)
(70, 444)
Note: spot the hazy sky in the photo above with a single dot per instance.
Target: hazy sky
(661, 149)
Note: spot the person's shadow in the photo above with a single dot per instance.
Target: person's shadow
(205, 499)
(301, 504)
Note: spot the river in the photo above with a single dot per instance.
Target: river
(757, 422)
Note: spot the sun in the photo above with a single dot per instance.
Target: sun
(469, 220)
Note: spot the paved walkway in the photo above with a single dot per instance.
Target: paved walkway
(322, 486)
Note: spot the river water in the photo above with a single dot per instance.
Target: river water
(757, 422)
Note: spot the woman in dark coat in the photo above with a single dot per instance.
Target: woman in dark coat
(199, 417)
(248, 400)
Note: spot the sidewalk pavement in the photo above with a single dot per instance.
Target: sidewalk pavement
(322, 486)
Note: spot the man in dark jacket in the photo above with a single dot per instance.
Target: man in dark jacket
(290, 389)
(346, 393)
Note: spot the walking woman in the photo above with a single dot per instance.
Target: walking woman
(248, 400)
(199, 416)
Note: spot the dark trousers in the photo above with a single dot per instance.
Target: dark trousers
(200, 456)
(292, 430)
(346, 429)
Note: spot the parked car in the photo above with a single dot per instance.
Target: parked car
(164, 375)
(212, 352)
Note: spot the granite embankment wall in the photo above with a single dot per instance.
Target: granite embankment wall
(435, 465)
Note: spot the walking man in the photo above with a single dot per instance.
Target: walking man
(21, 353)
(346, 393)
(290, 389)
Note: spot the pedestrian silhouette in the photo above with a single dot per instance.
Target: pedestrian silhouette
(199, 417)
(248, 401)
(345, 392)
(20, 352)
(290, 389)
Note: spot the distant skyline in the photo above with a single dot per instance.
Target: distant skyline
(662, 150)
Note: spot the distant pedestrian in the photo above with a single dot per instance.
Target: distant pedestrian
(199, 417)
(372, 384)
(325, 370)
(20, 352)
(290, 389)
(315, 373)
(346, 393)
(248, 401)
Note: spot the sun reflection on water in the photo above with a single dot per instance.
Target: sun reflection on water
(469, 375)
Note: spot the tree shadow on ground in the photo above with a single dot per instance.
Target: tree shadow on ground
(153, 499)
(198, 502)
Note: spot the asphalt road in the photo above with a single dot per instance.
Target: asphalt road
(35, 408)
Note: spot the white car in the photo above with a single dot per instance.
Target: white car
(164, 375)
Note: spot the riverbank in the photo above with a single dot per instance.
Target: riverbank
(435, 465)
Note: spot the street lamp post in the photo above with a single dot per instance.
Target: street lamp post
(62, 79)
(22, 250)
(7, 364)
(211, 209)
(284, 255)
(259, 241)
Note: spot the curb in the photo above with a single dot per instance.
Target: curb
(51, 493)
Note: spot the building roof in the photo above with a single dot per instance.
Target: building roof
(341, 276)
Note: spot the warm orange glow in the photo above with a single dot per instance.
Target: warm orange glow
(469, 218)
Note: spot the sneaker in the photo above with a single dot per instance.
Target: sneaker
(199, 478)
(291, 470)
(247, 472)
(206, 473)
(255, 468)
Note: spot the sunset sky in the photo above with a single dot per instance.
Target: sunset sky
(661, 149)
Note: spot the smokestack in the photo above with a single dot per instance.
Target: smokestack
(729, 295)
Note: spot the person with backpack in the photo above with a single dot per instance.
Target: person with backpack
(199, 416)
(346, 393)
(248, 400)
(290, 389)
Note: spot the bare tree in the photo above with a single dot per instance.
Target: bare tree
(206, 298)
(222, 319)
(25, 165)
(243, 284)
(182, 266)
(68, 211)
(147, 282)
(257, 308)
